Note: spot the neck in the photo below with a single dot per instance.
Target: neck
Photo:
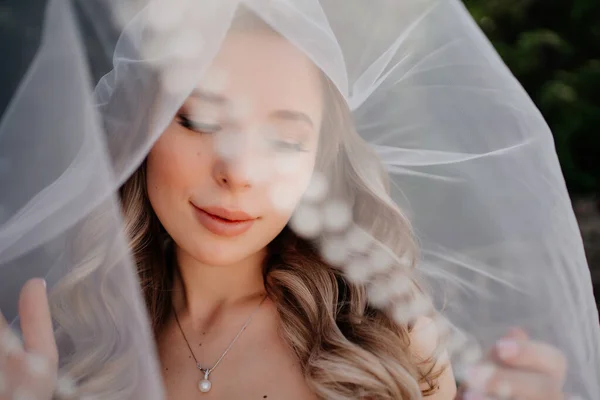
(200, 290)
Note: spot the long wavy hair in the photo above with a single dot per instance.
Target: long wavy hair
(347, 347)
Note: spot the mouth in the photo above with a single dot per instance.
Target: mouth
(228, 215)
(223, 222)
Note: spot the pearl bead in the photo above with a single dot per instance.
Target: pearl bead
(204, 385)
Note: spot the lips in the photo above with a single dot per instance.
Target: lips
(233, 216)
(223, 222)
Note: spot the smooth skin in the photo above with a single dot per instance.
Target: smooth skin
(219, 280)
(536, 371)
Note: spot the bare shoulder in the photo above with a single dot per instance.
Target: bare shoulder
(424, 341)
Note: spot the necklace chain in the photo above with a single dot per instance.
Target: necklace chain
(207, 371)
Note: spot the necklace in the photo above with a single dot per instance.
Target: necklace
(204, 385)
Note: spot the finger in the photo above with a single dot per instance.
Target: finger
(514, 333)
(517, 334)
(10, 343)
(532, 356)
(505, 383)
(36, 322)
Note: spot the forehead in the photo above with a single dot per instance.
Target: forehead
(266, 71)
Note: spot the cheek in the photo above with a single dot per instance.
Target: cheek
(288, 186)
(173, 168)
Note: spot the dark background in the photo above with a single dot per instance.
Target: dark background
(552, 47)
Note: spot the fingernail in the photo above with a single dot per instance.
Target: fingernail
(515, 331)
(479, 376)
(45, 283)
(507, 348)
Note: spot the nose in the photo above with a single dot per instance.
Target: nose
(232, 169)
(232, 175)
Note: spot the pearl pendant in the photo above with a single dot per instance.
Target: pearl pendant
(204, 385)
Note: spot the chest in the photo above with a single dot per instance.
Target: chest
(258, 366)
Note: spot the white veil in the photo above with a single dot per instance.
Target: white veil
(471, 162)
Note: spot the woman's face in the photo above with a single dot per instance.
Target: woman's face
(242, 148)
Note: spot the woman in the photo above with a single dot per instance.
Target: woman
(229, 252)
(243, 304)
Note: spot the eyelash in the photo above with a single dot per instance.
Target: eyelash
(187, 123)
(282, 145)
(287, 146)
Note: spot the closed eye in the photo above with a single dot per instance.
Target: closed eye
(287, 146)
(197, 126)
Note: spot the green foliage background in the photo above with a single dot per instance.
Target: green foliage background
(553, 48)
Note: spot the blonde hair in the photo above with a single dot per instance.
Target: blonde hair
(347, 348)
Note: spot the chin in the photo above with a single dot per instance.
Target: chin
(210, 249)
(220, 254)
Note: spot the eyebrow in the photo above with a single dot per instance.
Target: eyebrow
(293, 116)
(210, 97)
(290, 115)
